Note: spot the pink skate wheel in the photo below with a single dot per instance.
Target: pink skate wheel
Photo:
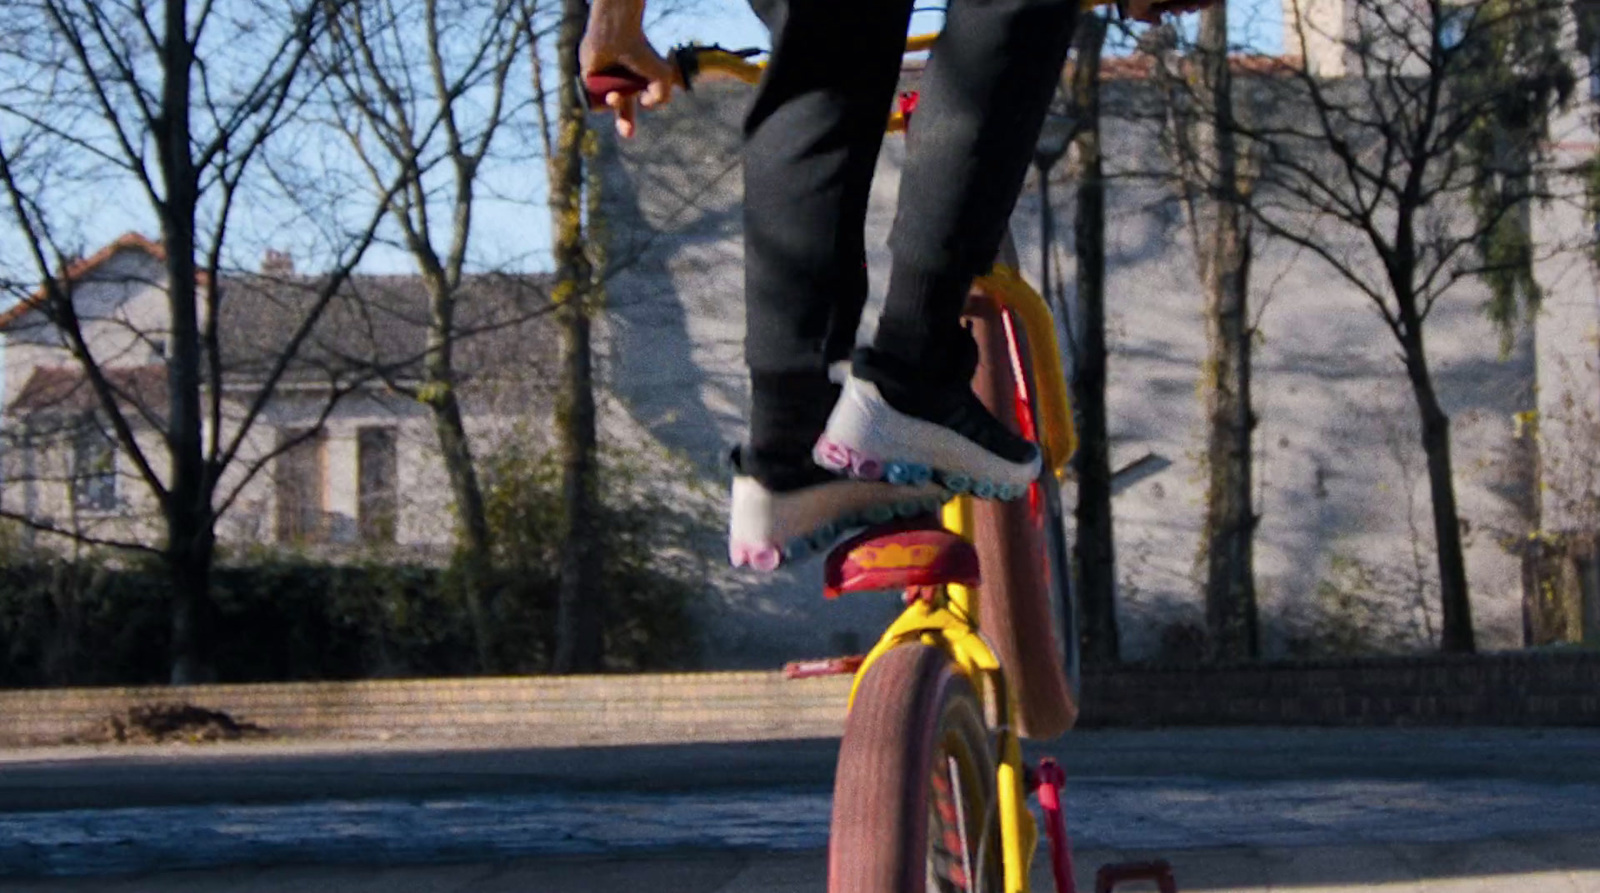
(766, 559)
(868, 468)
(832, 456)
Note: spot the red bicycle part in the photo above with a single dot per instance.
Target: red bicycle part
(1051, 779)
(899, 557)
(615, 79)
(908, 103)
(1024, 408)
(828, 666)
(1159, 871)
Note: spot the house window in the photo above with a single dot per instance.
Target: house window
(377, 484)
(300, 484)
(1588, 12)
(94, 470)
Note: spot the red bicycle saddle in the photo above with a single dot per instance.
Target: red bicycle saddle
(900, 556)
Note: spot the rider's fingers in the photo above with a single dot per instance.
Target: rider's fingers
(661, 74)
(624, 109)
(658, 93)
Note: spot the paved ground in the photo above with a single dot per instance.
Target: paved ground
(90, 777)
(1241, 809)
(1558, 865)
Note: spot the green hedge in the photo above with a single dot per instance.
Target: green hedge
(67, 624)
(282, 617)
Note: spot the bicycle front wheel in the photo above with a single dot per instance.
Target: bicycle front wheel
(914, 806)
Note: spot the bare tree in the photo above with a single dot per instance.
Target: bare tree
(569, 147)
(1391, 157)
(175, 104)
(1214, 185)
(421, 92)
(1096, 553)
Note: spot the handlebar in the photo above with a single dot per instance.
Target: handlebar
(693, 60)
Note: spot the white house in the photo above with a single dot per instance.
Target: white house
(341, 455)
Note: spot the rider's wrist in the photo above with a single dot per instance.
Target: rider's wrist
(618, 13)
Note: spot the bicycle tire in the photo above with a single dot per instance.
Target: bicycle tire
(1019, 610)
(892, 826)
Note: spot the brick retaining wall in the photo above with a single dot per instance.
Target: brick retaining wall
(1535, 688)
(531, 710)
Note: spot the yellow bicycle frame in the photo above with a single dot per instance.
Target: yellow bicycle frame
(948, 624)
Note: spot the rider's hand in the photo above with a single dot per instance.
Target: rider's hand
(615, 37)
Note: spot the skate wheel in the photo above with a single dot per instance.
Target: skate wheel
(832, 456)
(866, 468)
(880, 514)
(983, 490)
(958, 483)
(920, 475)
(895, 473)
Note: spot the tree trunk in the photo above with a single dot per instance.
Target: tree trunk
(188, 563)
(1456, 635)
(580, 644)
(474, 554)
(1525, 473)
(1230, 516)
(1094, 549)
(188, 503)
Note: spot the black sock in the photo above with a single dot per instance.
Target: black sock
(921, 320)
(788, 411)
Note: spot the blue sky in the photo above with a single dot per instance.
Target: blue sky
(1255, 23)
(512, 227)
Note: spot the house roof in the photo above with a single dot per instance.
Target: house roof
(83, 267)
(374, 322)
(65, 390)
(502, 321)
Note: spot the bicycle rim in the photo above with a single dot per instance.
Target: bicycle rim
(914, 797)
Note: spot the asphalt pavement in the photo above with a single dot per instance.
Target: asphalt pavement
(1239, 809)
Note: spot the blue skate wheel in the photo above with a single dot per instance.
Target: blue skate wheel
(908, 509)
(958, 483)
(796, 550)
(897, 473)
(880, 514)
(983, 490)
(920, 475)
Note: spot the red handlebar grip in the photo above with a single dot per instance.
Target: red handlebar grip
(615, 79)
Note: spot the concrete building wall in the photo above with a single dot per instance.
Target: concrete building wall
(1341, 479)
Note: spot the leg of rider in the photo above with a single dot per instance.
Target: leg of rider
(984, 96)
(812, 141)
(811, 144)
